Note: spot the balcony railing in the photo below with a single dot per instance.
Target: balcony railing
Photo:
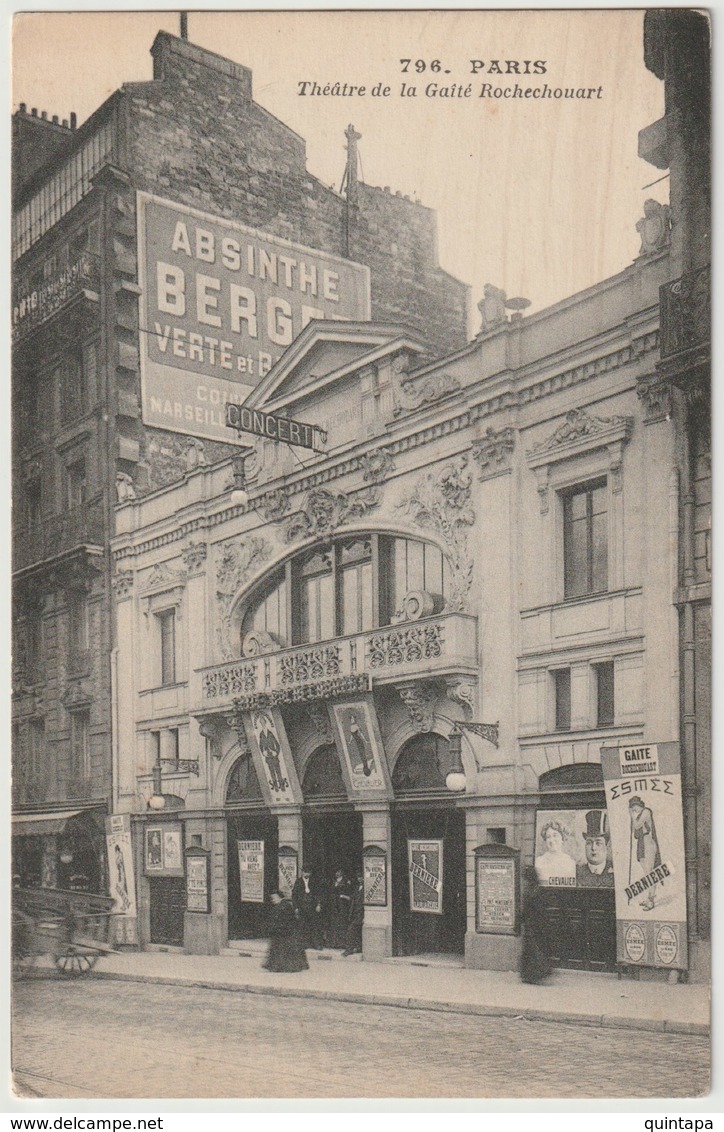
(57, 535)
(34, 305)
(685, 312)
(435, 646)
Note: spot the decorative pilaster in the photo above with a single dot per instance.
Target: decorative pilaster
(493, 452)
(656, 398)
(462, 692)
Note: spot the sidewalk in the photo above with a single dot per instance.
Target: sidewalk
(580, 997)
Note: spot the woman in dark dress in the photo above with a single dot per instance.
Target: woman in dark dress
(536, 964)
(340, 899)
(285, 950)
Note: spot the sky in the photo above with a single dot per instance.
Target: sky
(539, 197)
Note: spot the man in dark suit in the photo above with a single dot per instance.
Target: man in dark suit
(356, 918)
(307, 903)
(597, 871)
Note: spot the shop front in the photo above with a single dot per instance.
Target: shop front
(62, 849)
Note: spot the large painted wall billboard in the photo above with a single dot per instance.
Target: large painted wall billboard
(220, 303)
(644, 804)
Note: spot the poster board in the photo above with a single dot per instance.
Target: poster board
(251, 871)
(497, 889)
(425, 862)
(163, 849)
(644, 801)
(374, 876)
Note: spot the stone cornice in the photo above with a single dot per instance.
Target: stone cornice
(459, 419)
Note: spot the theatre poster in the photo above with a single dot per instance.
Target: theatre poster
(251, 871)
(425, 865)
(643, 798)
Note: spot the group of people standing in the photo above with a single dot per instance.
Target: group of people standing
(317, 915)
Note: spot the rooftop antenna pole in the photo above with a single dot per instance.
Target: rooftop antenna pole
(349, 185)
(184, 20)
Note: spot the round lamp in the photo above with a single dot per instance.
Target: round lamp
(156, 802)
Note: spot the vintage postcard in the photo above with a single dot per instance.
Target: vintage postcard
(361, 554)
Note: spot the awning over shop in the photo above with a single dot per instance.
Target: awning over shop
(26, 825)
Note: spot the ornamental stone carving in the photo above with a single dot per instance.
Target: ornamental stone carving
(580, 425)
(194, 557)
(492, 309)
(492, 452)
(309, 665)
(325, 510)
(162, 577)
(238, 561)
(412, 394)
(404, 645)
(319, 718)
(419, 699)
(440, 502)
(654, 227)
(274, 505)
(232, 680)
(125, 490)
(656, 398)
(122, 584)
(462, 692)
(212, 728)
(195, 454)
(377, 466)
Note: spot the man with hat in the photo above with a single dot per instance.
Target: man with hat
(597, 871)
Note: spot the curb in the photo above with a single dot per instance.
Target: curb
(527, 1014)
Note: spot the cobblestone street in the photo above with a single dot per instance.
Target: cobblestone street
(87, 1038)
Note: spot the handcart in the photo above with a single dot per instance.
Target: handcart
(73, 927)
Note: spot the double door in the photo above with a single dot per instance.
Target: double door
(420, 933)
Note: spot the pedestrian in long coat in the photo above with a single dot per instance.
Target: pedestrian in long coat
(356, 919)
(307, 902)
(340, 900)
(286, 952)
(536, 963)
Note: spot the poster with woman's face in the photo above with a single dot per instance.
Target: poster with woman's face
(573, 848)
(360, 747)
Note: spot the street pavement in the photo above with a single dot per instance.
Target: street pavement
(572, 996)
(100, 1038)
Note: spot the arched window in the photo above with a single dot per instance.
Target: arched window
(323, 777)
(343, 587)
(243, 785)
(422, 766)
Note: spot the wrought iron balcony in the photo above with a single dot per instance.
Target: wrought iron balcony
(34, 304)
(434, 646)
(685, 313)
(57, 535)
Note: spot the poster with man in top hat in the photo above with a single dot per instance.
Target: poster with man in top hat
(597, 869)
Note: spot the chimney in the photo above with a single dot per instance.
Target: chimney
(184, 20)
(73, 119)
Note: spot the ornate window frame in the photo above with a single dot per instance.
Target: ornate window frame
(582, 449)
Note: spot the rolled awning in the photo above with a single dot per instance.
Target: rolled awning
(26, 825)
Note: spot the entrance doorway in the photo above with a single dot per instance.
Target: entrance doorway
(167, 907)
(582, 920)
(420, 933)
(248, 919)
(331, 830)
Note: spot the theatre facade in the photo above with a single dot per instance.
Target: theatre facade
(400, 650)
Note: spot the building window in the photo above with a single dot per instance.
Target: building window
(72, 388)
(34, 645)
(173, 745)
(167, 628)
(355, 586)
(78, 629)
(33, 503)
(80, 744)
(37, 747)
(76, 484)
(562, 686)
(585, 540)
(345, 587)
(316, 597)
(604, 694)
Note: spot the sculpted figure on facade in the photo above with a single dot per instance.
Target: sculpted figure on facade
(492, 308)
(324, 511)
(125, 491)
(654, 227)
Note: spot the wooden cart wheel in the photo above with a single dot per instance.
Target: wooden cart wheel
(73, 962)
